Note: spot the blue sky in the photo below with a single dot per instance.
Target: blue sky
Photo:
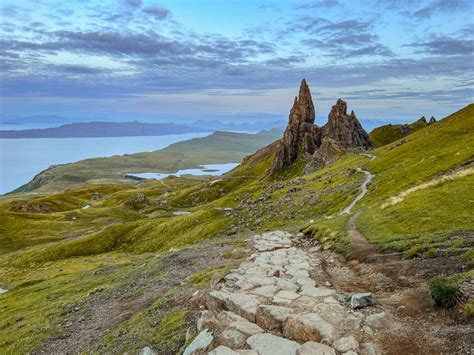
(182, 60)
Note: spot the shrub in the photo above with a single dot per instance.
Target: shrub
(443, 291)
(431, 253)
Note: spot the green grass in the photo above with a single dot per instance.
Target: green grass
(387, 134)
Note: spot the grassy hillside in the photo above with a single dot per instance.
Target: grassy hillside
(219, 147)
(387, 134)
(419, 202)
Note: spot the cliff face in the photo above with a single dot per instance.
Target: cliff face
(303, 137)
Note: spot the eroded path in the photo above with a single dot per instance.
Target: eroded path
(363, 191)
(287, 299)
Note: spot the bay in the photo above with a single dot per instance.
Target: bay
(22, 159)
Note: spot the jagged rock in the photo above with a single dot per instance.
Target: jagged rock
(346, 344)
(136, 201)
(30, 207)
(376, 320)
(432, 120)
(203, 342)
(269, 344)
(301, 134)
(313, 348)
(345, 129)
(360, 300)
(422, 119)
(307, 327)
(272, 317)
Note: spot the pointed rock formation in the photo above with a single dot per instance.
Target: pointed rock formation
(301, 134)
(304, 138)
(432, 120)
(345, 129)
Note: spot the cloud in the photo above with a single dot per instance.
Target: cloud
(133, 3)
(158, 13)
(345, 39)
(445, 45)
(442, 6)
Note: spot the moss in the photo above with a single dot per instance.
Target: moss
(171, 332)
(468, 308)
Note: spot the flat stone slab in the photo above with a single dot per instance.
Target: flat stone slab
(312, 291)
(269, 344)
(202, 343)
(266, 291)
(285, 296)
(272, 317)
(313, 348)
(240, 303)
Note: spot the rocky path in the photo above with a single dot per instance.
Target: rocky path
(282, 301)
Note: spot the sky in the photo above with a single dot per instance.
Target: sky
(181, 60)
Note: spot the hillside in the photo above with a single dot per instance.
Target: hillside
(129, 272)
(387, 134)
(219, 147)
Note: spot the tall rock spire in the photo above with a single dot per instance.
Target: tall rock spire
(302, 138)
(301, 134)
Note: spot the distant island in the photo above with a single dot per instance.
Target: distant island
(132, 129)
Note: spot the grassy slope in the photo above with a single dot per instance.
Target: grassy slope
(40, 261)
(387, 134)
(220, 147)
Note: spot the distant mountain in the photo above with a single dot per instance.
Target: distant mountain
(104, 129)
(132, 129)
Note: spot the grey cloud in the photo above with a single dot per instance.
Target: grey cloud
(157, 12)
(319, 4)
(443, 6)
(445, 45)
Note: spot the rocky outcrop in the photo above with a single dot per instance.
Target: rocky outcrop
(303, 138)
(328, 153)
(432, 120)
(345, 129)
(301, 134)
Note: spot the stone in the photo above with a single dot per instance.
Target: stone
(287, 285)
(147, 351)
(272, 317)
(376, 320)
(313, 348)
(328, 153)
(304, 281)
(266, 291)
(223, 350)
(245, 327)
(285, 296)
(269, 344)
(206, 319)
(346, 344)
(240, 303)
(312, 291)
(233, 338)
(360, 300)
(307, 327)
(432, 120)
(202, 343)
(369, 349)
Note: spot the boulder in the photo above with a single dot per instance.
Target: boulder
(269, 344)
(361, 300)
(202, 343)
(313, 348)
(240, 303)
(328, 153)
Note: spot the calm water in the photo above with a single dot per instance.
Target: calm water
(22, 159)
(210, 169)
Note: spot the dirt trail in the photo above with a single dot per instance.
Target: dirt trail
(361, 248)
(363, 191)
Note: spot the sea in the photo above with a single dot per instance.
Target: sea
(22, 159)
